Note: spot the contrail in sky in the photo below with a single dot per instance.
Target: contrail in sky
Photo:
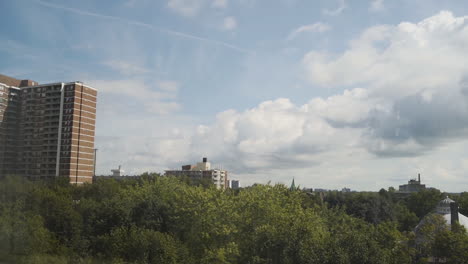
(141, 24)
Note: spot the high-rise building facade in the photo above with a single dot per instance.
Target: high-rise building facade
(47, 130)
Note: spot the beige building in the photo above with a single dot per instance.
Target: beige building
(412, 186)
(47, 130)
(202, 170)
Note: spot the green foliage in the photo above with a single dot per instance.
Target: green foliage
(154, 219)
(372, 207)
(423, 202)
(138, 245)
(463, 203)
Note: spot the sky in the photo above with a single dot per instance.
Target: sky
(363, 94)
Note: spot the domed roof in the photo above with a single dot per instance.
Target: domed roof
(444, 206)
(446, 202)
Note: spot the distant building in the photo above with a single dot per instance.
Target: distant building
(117, 172)
(118, 178)
(203, 170)
(234, 184)
(412, 186)
(320, 190)
(346, 189)
(448, 208)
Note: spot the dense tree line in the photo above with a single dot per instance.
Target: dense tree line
(154, 219)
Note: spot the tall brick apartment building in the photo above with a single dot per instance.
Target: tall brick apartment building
(47, 130)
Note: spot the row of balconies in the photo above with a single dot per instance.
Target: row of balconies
(29, 126)
(37, 150)
(42, 124)
(49, 133)
(42, 100)
(39, 119)
(37, 153)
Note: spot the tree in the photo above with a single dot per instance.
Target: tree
(423, 202)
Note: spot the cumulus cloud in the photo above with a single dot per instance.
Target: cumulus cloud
(401, 93)
(416, 69)
(406, 53)
(273, 133)
(141, 153)
(412, 98)
(316, 27)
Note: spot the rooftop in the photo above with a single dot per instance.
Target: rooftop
(10, 81)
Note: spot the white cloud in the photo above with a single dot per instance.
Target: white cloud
(158, 100)
(416, 69)
(229, 23)
(376, 5)
(398, 60)
(410, 104)
(316, 27)
(335, 12)
(270, 135)
(404, 96)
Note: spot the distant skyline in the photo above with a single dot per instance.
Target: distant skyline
(357, 94)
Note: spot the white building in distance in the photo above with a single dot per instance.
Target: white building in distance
(202, 171)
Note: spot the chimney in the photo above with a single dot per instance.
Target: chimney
(205, 160)
(453, 213)
(419, 177)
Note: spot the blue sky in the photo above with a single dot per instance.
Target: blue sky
(362, 94)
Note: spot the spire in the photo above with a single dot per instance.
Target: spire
(293, 186)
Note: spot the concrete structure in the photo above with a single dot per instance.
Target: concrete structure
(234, 184)
(201, 171)
(448, 208)
(47, 130)
(117, 172)
(412, 186)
